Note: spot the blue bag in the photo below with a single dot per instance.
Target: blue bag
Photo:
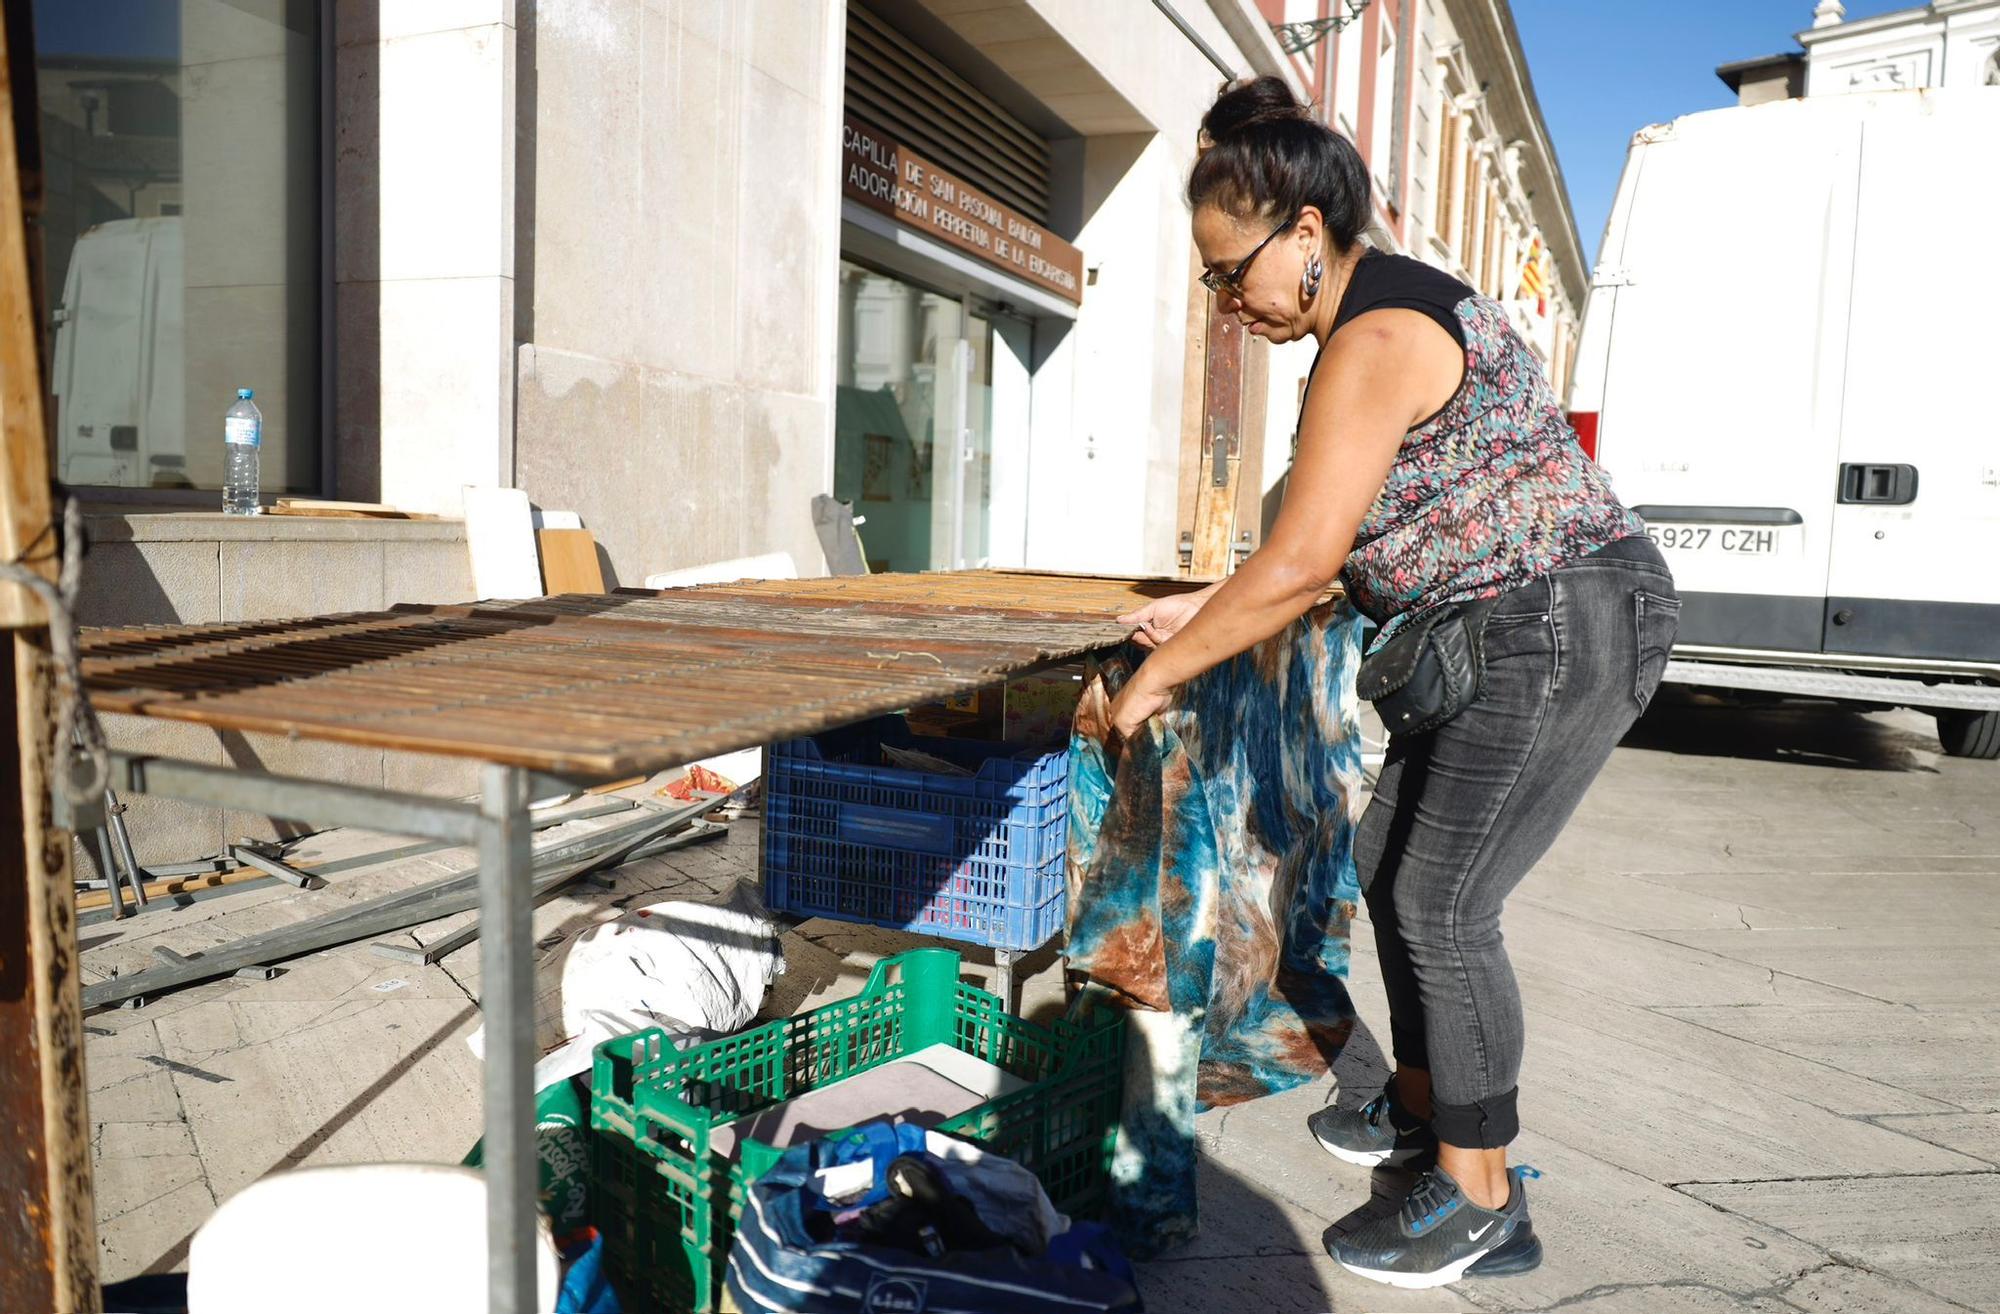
(777, 1266)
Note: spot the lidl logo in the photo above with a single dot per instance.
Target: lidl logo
(894, 1295)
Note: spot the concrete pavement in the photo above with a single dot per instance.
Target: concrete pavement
(1763, 1073)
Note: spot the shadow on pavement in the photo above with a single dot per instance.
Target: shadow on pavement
(1250, 1256)
(1254, 1253)
(1813, 733)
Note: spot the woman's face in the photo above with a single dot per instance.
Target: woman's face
(1266, 297)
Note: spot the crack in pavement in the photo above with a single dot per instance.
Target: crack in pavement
(452, 977)
(1261, 1252)
(1884, 1121)
(1774, 1290)
(341, 1011)
(1834, 1177)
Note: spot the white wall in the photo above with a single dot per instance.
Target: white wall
(676, 385)
(423, 249)
(654, 347)
(1109, 400)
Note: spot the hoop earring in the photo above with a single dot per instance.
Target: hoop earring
(1309, 284)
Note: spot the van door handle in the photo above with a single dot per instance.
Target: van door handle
(1878, 485)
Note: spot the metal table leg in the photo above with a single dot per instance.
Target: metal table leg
(507, 998)
(109, 866)
(1004, 960)
(502, 828)
(114, 821)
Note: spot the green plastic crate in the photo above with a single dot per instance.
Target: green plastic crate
(667, 1204)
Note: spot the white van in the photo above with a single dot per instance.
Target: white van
(118, 370)
(1788, 365)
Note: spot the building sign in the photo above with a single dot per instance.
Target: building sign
(889, 177)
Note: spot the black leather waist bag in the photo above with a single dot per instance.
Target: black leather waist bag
(1431, 671)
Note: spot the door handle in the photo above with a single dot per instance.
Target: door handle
(1878, 485)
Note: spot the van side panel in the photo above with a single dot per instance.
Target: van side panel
(1916, 577)
(1593, 339)
(1721, 408)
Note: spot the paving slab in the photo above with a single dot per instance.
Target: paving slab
(1945, 963)
(1952, 1056)
(1976, 1134)
(1957, 890)
(1684, 1041)
(1940, 1234)
(362, 1079)
(1634, 1106)
(1634, 1242)
(1260, 1249)
(153, 1237)
(1647, 968)
(1837, 1287)
(1633, 902)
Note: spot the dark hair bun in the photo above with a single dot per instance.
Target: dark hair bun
(1248, 102)
(1265, 155)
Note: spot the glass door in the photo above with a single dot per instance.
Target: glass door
(912, 423)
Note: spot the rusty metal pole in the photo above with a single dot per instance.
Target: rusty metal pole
(48, 1232)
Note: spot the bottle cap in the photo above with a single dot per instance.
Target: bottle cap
(244, 394)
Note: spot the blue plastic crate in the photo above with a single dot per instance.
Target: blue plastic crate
(976, 858)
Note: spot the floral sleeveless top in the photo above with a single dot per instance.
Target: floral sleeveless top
(1489, 494)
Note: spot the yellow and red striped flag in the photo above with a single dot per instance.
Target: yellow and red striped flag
(1535, 276)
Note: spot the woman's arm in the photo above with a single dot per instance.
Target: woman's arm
(1377, 378)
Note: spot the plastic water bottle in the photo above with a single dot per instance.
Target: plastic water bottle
(243, 436)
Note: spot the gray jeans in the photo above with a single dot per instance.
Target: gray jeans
(1462, 813)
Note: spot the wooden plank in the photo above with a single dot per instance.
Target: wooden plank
(1222, 447)
(313, 506)
(1247, 531)
(48, 1228)
(26, 535)
(569, 561)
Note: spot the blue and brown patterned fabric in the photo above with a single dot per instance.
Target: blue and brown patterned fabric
(1211, 889)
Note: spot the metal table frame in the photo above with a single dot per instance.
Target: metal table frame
(499, 827)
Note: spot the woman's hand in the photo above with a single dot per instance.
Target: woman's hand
(1137, 703)
(1160, 619)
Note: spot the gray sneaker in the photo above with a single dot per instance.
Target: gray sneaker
(1380, 1132)
(1440, 1236)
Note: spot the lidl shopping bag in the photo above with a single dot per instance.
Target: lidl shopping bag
(896, 1220)
(562, 1153)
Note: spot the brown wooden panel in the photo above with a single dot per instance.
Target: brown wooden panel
(48, 1238)
(1222, 443)
(569, 561)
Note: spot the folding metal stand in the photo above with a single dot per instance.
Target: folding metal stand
(500, 827)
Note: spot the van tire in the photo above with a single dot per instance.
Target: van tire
(1970, 734)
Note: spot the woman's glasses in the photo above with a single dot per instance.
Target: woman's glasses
(1232, 282)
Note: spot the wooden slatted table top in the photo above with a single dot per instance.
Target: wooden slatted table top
(606, 685)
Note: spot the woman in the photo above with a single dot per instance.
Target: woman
(1434, 468)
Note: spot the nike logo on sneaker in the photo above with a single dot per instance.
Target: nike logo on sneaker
(1474, 1236)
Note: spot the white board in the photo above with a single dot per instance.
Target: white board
(500, 534)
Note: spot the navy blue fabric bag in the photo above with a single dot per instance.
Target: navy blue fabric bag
(776, 1265)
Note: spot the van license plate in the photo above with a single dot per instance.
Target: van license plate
(1724, 540)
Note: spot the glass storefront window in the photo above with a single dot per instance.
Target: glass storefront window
(180, 235)
(912, 423)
